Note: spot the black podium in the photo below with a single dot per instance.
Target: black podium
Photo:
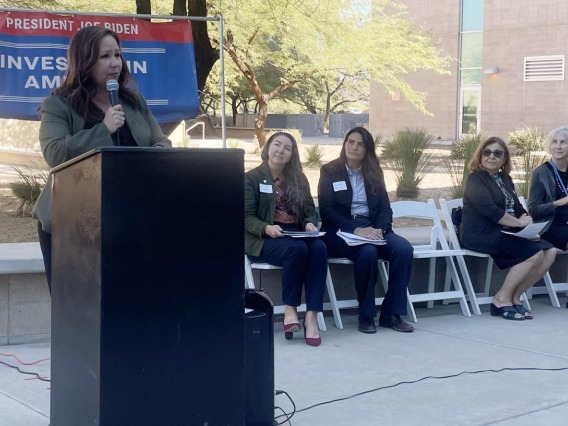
(148, 291)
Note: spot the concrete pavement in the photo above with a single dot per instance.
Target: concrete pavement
(349, 363)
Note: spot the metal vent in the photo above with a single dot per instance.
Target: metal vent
(543, 68)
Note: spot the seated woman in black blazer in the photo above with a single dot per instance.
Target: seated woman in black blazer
(490, 204)
(353, 198)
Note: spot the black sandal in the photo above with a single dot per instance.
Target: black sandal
(521, 310)
(507, 312)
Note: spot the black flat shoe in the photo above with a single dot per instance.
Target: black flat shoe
(507, 312)
(367, 325)
(521, 310)
(396, 323)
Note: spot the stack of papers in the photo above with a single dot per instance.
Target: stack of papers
(303, 234)
(356, 240)
(530, 232)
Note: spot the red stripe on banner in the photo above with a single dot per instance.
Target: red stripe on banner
(127, 28)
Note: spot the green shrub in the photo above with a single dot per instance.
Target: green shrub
(531, 161)
(405, 153)
(457, 165)
(314, 154)
(233, 143)
(466, 146)
(27, 186)
(526, 139)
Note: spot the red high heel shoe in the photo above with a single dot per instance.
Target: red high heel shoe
(290, 329)
(311, 341)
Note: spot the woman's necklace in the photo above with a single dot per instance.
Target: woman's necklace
(558, 179)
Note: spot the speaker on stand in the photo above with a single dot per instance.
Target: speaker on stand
(259, 359)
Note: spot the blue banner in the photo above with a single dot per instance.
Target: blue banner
(33, 61)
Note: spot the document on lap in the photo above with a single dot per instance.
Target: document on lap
(303, 234)
(356, 240)
(530, 232)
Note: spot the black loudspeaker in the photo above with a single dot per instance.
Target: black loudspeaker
(259, 359)
(148, 288)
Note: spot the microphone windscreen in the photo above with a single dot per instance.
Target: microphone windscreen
(112, 85)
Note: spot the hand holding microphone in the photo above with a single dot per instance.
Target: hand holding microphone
(114, 117)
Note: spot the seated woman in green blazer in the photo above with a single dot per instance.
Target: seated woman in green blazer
(278, 199)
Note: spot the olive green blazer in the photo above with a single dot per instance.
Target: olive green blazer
(63, 136)
(260, 207)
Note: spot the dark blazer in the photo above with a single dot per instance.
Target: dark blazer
(260, 207)
(63, 136)
(335, 206)
(483, 207)
(542, 195)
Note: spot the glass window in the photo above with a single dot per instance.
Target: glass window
(472, 50)
(471, 77)
(472, 15)
(470, 103)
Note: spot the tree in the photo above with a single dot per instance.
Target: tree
(305, 39)
(329, 92)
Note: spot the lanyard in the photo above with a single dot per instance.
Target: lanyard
(558, 177)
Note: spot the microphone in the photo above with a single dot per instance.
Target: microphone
(112, 88)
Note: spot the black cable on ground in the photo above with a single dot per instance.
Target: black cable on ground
(449, 376)
(37, 376)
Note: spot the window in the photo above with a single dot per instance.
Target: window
(472, 15)
(543, 68)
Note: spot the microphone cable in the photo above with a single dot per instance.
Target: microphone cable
(449, 376)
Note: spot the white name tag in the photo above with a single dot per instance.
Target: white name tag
(340, 186)
(267, 189)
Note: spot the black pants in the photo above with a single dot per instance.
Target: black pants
(45, 244)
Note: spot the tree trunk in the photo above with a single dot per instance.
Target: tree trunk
(205, 54)
(261, 119)
(143, 7)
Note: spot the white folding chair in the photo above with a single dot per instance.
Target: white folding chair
(550, 287)
(474, 298)
(438, 247)
(383, 273)
(279, 309)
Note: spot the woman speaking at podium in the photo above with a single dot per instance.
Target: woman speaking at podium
(278, 200)
(78, 116)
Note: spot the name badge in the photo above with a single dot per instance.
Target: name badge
(340, 186)
(267, 189)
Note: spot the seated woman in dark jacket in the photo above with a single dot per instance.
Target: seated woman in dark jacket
(353, 198)
(490, 204)
(548, 190)
(278, 199)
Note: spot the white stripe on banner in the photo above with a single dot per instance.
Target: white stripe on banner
(143, 50)
(157, 101)
(20, 99)
(33, 45)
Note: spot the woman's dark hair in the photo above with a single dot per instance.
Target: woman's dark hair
(475, 163)
(82, 56)
(297, 185)
(370, 165)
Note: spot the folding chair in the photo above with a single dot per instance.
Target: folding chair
(474, 298)
(383, 273)
(550, 287)
(438, 247)
(279, 309)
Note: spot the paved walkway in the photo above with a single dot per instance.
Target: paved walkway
(350, 363)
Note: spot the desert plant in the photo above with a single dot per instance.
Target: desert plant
(457, 164)
(314, 154)
(531, 160)
(27, 186)
(379, 140)
(405, 153)
(526, 139)
(233, 143)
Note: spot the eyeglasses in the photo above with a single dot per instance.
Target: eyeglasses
(497, 153)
